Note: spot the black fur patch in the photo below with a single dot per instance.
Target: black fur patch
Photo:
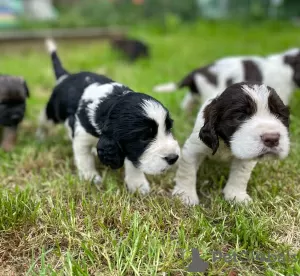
(252, 71)
(189, 80)
(123, 121)
(65, 97)
(277, 107)
(294, 62)
(229, 82)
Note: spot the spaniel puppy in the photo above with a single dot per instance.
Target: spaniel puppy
(13, 94)
(280, 71)
(245, 123)
(124, 126)
(133, 49)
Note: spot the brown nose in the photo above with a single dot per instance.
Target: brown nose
(270, 140)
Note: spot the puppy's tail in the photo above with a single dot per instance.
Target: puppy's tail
(56, 63)
(164, 88)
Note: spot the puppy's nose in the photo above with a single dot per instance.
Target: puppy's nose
(171, 159)
(271, 140)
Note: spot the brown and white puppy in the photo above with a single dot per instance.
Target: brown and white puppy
(13, 94)
(243, 124)
(280, 71)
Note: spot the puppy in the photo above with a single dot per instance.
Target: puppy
(133, 49)
(245, 123)
(126, 127)
(280, 71)
(13, 94)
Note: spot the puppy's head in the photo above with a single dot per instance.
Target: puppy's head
(13, 94)
(138, 128)
(251, 119)
(292, 58)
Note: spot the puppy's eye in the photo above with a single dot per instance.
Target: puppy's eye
(169, 124)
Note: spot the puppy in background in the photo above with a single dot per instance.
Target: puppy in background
(280, 71)
(244, 124)
(126, 127)
(13, 94)
(133, 49)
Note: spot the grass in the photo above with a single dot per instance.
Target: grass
(51, 223)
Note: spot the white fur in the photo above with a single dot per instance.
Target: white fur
(152, 161)
(246, 146)
(84, 159)
(50, 45)
(135, 179)
(168, 87)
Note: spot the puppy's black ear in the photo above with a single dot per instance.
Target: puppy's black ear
(208, 132)
(110, 152)
(27, 93)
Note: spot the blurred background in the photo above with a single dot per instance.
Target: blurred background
(76, 13)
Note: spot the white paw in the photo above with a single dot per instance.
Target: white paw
(92, 176)
(237, 196)
(141, 185)
(189, 198)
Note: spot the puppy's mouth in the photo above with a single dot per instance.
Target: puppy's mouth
(269, 153)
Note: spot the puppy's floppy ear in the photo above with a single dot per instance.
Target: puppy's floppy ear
(110, 152)
(27, 93)
(208, 132)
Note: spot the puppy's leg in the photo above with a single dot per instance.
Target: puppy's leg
(193, 154)
(135, 179)
(84, 159)
(9, 138)
(236, 186)
(44, 126)
(189, 101)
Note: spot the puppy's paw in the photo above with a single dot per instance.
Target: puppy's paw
(236, 196)
(140, 184)
(91, 176)
(189, 198)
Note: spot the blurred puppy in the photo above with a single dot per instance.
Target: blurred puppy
(280, 71)
(247, 122)
(13, 94)
(126, 127)
(133, 49)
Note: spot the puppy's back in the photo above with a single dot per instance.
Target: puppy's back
(66, 95)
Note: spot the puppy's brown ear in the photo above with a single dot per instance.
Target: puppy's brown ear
(110, 153)
(208, 132)
(27, 93)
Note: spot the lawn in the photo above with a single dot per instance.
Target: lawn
(51, 223)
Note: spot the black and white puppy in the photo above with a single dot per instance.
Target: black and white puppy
(13, 94)
(126, 127)
(246, 122)
(279, 71)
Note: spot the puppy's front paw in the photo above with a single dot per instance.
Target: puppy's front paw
(236, 196)
(92, 176)
(140, 184)
(189, 198)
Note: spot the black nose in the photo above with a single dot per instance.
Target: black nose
(171, 159)
(271, 140)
